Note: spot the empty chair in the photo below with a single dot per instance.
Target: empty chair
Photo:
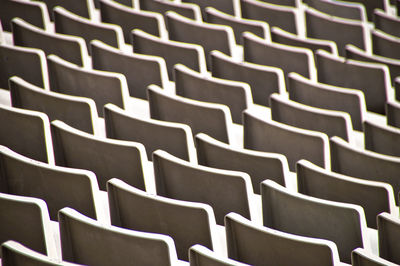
(15, 254)
(385, 45)
(283, 17)
(259, 165)
(58, 186)
(239, 25)
(210, 118)
(197, 86)
(294, 213)
(226, 191)
(381, 138)
(324, 96)
(78, 112)
(371, 5)
(130, 19)
(177, 139)
(341, 31)
(259, 245)
(90, 242)
(294, 143)
(27, 63)
(263, 80)
(209, 36)
(342, 9)
(288, 58)
(70, 48)
(190, 55)
(140, 70)
(349, 160)
(388, 233)
(32, 12)
(372, 79)
(283, 37)
(387, 23)
(332, 123)
(374, 197)
(202, 256)
(160, 6)
(231, 7)
(188, 223)
(26, 220)
(81, 8)
(355, 53)
(107, 158)
(68, 23)
(361, 257)
(101, 86)
(393, 114)
(26, 132)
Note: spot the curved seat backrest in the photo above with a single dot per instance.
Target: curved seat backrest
(263, 80)
(105, 157)
(188, 223)
(174, 138)
(294, 213)
(226, 191)
(295, 143)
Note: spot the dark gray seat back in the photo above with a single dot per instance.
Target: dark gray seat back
(34, 13)
(332, 123)
(27, 63)
(187, 223)
(355, 53)
(385, 45)
(194, 85)
(372, 79)
(349, 160)
(27, 133)
(209, 36)
(329, 97)
(283, 17)
(190, 55)
(342, 31)
(177, 139)
(388, 235)
(361, 257)
(101, 86)
(70, 48)
(226, 191)
(259, 245)
(210, 118)
(374, 197)
(291, 212)
(271, 136)
(105, 157)
(393, 114)
(263, 80)
(89, 242)
(202, 256)
(381, 139)
(78, 112)
(66, 22)
(130, 19)
(140, 70)
(26, 220)
(287, 58)
(259, 165)
(283, 37)
(15, 254)
(239, 25)
(58, 186)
